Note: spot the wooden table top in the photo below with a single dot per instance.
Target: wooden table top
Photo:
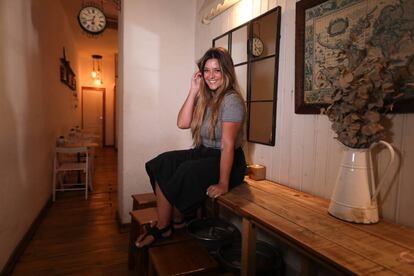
(81, 144)
(303, 220)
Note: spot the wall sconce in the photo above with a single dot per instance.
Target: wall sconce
(220, 8)
(97, 69)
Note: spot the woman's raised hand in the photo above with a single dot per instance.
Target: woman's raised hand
(196, 82)
(186, 112)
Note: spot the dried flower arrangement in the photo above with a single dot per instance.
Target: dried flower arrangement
(368, 86)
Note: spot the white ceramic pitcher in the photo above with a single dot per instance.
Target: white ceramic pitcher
(354, 197)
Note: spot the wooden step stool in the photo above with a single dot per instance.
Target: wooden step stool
(178, 236)
(141, 201)
(139, 218)
(138, 257)
(183, 258)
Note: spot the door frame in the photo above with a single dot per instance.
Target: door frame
(103, 109)
(115, 132)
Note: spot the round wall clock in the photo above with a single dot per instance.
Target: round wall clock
(257, 47)
(92, 20)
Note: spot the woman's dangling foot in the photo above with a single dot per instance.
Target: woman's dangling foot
(152, 235)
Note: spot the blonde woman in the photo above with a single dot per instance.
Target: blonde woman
(214, 110)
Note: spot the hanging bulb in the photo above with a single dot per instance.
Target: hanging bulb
(97, 69)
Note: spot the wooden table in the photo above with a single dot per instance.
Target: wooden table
(81, 144)
(302, 222)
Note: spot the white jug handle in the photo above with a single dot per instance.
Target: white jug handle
(377, 189)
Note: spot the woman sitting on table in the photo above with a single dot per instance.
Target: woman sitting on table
(215, 111)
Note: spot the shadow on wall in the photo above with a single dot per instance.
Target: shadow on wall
(10, 159)
(52, 100)
(31, 101)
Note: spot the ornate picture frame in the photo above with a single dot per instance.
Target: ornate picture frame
(321, 26)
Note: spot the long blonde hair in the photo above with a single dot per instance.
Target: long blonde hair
(205, 97)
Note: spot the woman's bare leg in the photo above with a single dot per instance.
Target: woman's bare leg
(164, 210)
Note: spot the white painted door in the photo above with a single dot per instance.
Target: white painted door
(93, 112)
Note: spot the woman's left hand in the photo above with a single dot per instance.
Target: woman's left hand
(216, 190)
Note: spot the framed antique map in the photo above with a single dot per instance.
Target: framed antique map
(324, 27)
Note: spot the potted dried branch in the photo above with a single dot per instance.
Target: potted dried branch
(368, 86)
(364, 93)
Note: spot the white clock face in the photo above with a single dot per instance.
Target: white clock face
(257, 47)
(92, 20)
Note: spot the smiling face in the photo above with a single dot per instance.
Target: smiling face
(212, 74)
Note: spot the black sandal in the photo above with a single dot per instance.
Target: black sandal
(155, 232)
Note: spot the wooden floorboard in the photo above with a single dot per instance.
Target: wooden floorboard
(78, 236)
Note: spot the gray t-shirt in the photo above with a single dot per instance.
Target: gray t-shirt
(231, 110)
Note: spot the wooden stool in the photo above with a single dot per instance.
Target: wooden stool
(138, 257)
(138, 219)
(141, 201)
(177, 237)
(184, 258)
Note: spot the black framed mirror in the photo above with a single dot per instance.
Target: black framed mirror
(254, 47)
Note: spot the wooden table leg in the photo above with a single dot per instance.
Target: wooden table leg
(248, 258)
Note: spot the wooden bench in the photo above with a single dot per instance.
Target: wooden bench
(301, 221)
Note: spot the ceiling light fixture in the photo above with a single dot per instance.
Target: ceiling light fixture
(219, 9)
(97, 69)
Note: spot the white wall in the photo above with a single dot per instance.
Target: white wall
(158, 60)
(35, 107)
(306, 157)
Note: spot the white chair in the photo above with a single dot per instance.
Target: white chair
(68, 159)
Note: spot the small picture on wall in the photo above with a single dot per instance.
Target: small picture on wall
(67, 76)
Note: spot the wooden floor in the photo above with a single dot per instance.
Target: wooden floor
(78, 236)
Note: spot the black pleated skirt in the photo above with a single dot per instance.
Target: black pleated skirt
(184, 175)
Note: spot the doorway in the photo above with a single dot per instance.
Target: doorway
(93, 112)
